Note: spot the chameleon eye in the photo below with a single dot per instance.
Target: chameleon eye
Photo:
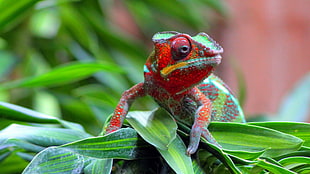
(180, 48)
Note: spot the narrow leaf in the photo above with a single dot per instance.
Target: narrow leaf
(41, 136)
(237, 136)
(300, 130)
(291, 162)
(245, 154)
(122, 144)
(16, 11)
(273, 167)
(176, 157)
(18, 113)
(222, 156)
(197, 169)
(23, 145)
(63, 74)
(156, 127)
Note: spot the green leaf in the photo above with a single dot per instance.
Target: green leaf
(272, 167)
(221, 169)
(176, 157)
(42, 136)
(78, 27)
(205, 160)
(22, 144)
(56, 160)
(122, 144)
(13, 164)
(156, 127)
(237, 136)
(222, 156)
(18, 113)
(75, 156)
(16, 11)
(292, 162)
(300, 130)
(197, 169)
(63, 74)
(301, 152)
(245, 154)
(99, 166)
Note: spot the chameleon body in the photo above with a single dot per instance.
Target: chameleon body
(178, 75)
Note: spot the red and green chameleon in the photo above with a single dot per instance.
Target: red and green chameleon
(178, 75)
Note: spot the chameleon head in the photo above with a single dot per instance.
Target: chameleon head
(180, 61)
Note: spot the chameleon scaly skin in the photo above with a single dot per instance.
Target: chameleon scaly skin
(178, 75)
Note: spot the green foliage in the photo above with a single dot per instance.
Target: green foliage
(155, 132)
(71, 59)
(74, 39)
(246, 147)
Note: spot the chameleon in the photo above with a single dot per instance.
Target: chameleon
(178, 75)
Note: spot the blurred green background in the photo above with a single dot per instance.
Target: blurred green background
(94, 50)
(38, 36)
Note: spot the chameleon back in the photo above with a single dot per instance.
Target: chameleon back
(225, 106)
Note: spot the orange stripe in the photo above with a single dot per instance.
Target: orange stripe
(167, 70)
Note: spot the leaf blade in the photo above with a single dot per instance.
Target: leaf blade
(156, 127)
(121, 144)
(42, 136)
(176, 157)
(235, 136)
(63, 74)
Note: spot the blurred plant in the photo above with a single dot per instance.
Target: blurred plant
(38, 36)
(257, 147)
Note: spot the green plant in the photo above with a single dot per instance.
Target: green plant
(278, 147)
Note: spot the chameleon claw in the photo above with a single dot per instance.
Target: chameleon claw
(194, 140)
(196, 133)
(191, 150)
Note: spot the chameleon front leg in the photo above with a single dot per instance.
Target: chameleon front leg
(202, 120)
(122, 108)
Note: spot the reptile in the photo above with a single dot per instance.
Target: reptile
(178, 75)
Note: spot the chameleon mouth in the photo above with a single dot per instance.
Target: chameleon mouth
(215, 60)
(167, 70)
